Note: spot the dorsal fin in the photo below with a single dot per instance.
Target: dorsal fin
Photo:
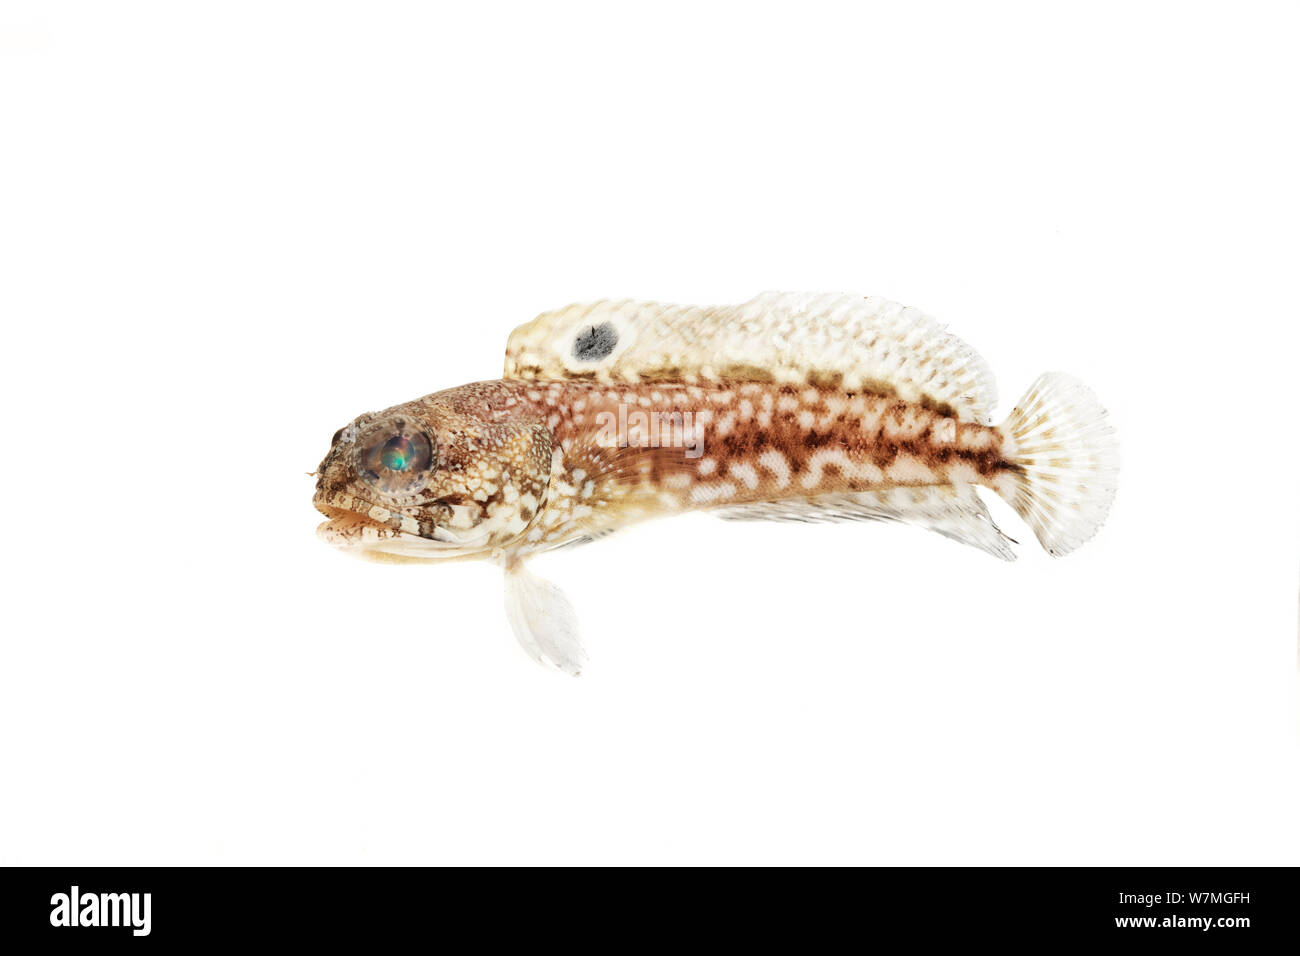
(848, 341)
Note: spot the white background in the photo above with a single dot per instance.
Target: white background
(227, 229)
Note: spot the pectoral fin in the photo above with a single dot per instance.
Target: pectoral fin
(543, 620)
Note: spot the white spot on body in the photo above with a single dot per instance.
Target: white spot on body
(857, 471)
(705, 494)
(976, 439)
(962, 473)
(776, 463)
(907, 470)
(745, 474)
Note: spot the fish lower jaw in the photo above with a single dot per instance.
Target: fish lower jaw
(359, 533)
(348, 529)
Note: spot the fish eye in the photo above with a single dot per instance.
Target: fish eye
(395, 456)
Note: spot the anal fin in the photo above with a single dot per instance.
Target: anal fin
(953, 511)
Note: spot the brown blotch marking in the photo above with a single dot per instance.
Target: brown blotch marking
(826, 381)
(663, 373)
(747, 373)
(939, 408)
(875, 386)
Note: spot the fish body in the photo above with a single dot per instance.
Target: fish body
(789, 407)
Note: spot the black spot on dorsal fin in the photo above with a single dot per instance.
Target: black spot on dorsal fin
(595, 342)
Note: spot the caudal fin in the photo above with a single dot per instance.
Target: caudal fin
(1068, 459)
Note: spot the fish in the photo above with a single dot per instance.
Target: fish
(788, 407)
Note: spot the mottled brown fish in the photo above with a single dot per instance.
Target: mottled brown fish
(791, 406)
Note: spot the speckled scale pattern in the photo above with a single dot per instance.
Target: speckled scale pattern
(754, 442)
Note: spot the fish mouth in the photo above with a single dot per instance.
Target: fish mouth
(359, 526)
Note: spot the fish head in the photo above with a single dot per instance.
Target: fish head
(440, 477)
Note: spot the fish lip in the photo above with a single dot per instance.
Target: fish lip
(348, 519)
(339, 515)
(347, 530)
(355, 509)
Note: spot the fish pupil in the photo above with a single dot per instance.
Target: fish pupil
(397, 453)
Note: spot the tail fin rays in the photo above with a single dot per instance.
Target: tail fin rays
(1067, 457)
